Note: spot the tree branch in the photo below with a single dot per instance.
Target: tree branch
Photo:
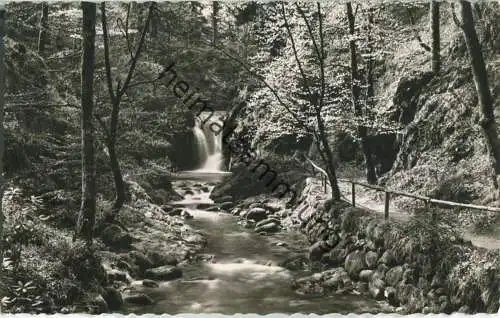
(137, 52)
(294, 48)
(160, 76)
(106, 52)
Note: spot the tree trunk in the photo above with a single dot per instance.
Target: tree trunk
(215, 12)
(436, 47)
(119, 183)
(2, 106)
(44, 28)
(86, 217)
(329, 160)
(482, 86)
(355, 92)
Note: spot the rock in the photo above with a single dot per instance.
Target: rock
(333, 240)
(158, 259)
(150, 283)
(225, 198)
(362, 287)
(205, 189)
(338, 279)
(165, 272)
(371, 259)
(394, 275)
(317, 249)
(365, 275)
(376, 288)
(175, 212)
(113, 298)
(227, 205)
(138, 299)
(390, 295)
(116, 275)
(189, 192)
(236, 211)
(337, 257)
(141, 260)
(186, 215)
(387, 258)
(256, 214)
(355, 263)
(268, 228)
(114, 236)
(267, 221)
(124, 265)
(207, 207)
(409, 276)
(465, 310)
(100, 305)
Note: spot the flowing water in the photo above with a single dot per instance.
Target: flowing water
(242, 274)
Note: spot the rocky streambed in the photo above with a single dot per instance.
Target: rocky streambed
(248, 264)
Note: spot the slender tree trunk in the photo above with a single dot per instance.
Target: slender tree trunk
(215, 13)
(482, 86)
(436, 47)
(115, 97)
(2, 106)
(86, 218)
(119, 183)
(329, 160)
(43, 36)
(355, 91)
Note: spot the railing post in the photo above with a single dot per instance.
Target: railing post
(386, 208)
(353, 194)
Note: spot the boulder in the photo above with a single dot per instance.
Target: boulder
(186, 215)
(165, 272)
(266, 221)
(376, 288)
(138, 299)
(256, 214)
(99, 305)
(337, 257)
(268, 228)
(390, 294)
(150, 283)
(115, 275)
(317, 249)
(115, 236)
(371, 259)
(175, 212)
(158, 259)
(141, 260)
(394, 276)
(113, 298)
(365, 275)
(226, 205)
(355, 263)
(387, 258)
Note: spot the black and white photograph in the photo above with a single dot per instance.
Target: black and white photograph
(250, 157)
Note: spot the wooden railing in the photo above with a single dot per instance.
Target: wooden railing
(391, 193)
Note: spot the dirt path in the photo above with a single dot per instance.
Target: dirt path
(367, 199)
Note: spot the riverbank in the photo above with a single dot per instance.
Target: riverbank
(415, 266)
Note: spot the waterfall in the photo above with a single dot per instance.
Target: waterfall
(209, 145)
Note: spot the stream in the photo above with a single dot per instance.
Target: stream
(242, 275)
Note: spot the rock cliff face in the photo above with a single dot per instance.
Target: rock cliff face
(388, 260)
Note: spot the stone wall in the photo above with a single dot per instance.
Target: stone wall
(386, 260)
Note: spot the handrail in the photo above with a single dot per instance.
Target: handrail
(389, 192)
